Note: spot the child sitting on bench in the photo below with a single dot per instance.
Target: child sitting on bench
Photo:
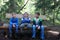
(37, 23)
(25, 21)
(13, 23)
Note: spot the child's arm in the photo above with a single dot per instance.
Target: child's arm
(40, 21)
(11, 21)
(33, 21)
(16, 21)
(21, 20)
(29, 20)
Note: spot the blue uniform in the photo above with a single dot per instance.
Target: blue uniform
(25, 21)
(15, 22)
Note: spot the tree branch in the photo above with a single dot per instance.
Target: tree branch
(24, 5)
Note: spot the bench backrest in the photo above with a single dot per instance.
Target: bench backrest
(9, 15)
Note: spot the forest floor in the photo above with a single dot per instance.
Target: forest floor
(48, 36)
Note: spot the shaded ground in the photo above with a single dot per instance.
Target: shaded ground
(48, 36)
(29, 38)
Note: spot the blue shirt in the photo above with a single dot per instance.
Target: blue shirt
(14, 20)
(25, 20)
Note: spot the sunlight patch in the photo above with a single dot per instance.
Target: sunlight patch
(54, 32)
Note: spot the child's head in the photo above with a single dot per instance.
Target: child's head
(14, 15)
(25, 14)
(37, 14)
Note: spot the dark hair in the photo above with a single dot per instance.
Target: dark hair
(37, 13)
(26, 13)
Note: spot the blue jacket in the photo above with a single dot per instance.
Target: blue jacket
(25, 20)
(14, 20)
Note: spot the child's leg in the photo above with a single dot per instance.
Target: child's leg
(16, 28)
(29, 25)
(34, 31)
(10, 29)
(42, 32)
(16, 31)
(22, 25)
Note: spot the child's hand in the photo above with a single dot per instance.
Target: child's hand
(13, 25)
(39, 27)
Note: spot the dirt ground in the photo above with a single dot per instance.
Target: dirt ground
(48, 36)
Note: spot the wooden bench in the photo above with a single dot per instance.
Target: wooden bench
(9, 15)
(30, 15)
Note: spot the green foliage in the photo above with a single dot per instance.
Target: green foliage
(51, 8)
(9, 6)
(48, 7)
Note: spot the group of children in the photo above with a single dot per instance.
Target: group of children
(25, 20)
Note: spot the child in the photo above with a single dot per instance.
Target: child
(25, 20)
(13, 23)
(37, 23)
